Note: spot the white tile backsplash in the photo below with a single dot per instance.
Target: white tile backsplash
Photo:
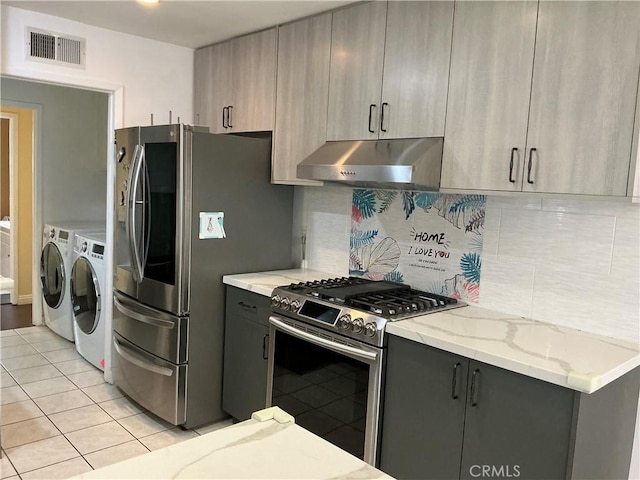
(571, 262)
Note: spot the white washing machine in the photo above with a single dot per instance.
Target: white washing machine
(88, 276)
(55, 269)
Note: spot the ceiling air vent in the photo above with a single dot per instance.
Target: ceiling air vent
(50, 47)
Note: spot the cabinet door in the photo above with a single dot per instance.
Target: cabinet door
(245, 350)
(357, 51)
(422, 424)
(221, 65)
(203, 87)
(583, 97)
(416, 69)
(254, 82)
(517, 424)
(304, 53)
(489, 88)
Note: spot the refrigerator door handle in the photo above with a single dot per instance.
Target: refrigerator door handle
(140, 361)
(156, 322)
(132, 218)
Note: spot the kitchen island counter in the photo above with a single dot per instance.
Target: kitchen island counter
(251, 449)
(567, 357)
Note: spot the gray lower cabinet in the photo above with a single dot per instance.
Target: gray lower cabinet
(448, 417)
(246, 342)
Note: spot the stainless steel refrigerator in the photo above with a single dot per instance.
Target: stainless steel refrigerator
(190, 207)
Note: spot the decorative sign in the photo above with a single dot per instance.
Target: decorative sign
(211, 225)
(431, 241)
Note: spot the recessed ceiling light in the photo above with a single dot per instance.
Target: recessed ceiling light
(148, 1)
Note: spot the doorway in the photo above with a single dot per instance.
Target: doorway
(69, 180)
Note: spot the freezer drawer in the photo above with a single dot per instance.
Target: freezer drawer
(157, 385)
(159, 333)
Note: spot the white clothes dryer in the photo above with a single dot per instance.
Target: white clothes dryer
(88, 276)
(56, 260)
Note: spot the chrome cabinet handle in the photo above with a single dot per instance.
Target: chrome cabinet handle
(513, 151)
(382, 129)
(454, 381)
(224, 117)
(371, 107)
(473, 400)
(530, 165)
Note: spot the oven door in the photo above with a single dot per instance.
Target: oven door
(330, 384)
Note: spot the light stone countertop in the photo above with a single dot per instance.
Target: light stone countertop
(264, 282)
(563, 356)
(251, 449)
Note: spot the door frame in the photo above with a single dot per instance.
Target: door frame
(13, 190)
(115, 114)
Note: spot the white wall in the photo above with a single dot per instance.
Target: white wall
(155, 77)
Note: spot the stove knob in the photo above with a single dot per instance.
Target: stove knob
(275, 301)
(358, 324)
(284, 303)
(295, 306)
(370, 329)
(344, 321)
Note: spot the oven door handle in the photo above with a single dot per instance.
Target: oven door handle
(336, 347)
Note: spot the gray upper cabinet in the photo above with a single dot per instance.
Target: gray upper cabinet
(489, 88)
(304, 51)
(234, 86)
(212, 74)
(585, 81)
(357, 50)
(389, 70)
(542, 97)
(416, 69)
(253, 82)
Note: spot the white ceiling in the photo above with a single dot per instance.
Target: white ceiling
(181, 22)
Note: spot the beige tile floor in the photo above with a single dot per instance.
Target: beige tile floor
(59, 418)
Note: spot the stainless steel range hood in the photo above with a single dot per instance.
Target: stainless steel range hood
(400, 163)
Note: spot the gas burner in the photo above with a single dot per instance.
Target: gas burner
(356, 307)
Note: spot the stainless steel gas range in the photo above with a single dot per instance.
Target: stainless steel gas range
(326, 354)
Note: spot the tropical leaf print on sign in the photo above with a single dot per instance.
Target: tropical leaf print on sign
(365, 202)
(425, 200)
(380, 259)
(355, 264)
(386, 198)
(408, 204)
(476, 222)
(470, 264)
(394, 276)
(361, 239)
(467, 202)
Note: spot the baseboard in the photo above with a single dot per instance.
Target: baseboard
(25, 299)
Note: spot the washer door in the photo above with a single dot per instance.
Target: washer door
(52, 275)
(85, 295)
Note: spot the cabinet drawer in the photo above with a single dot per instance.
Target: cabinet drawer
(249, 305)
